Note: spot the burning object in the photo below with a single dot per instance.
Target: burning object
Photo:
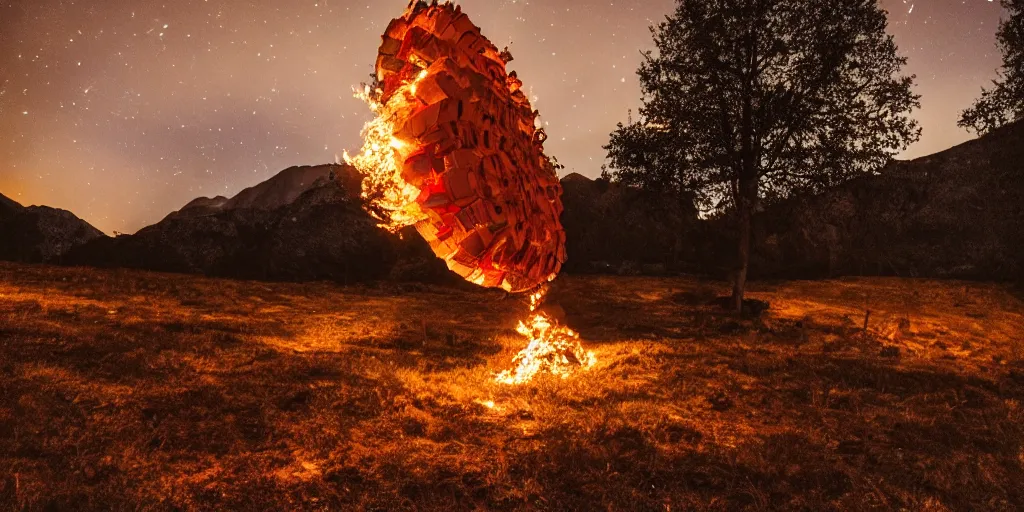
(455, 150)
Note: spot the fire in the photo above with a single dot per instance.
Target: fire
(454, 150)
(393, 200)
(553, 348)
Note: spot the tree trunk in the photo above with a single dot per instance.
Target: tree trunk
(748, 177)
(748, 199)
(746, 207)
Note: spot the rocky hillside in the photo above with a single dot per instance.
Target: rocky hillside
(305, 223)
(958, 213)
(612, 228)
(36, 234)
(281, 190)
(8, 205)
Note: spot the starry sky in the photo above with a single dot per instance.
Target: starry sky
(124, 110)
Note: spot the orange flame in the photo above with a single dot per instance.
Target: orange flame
(393, 199)
(553, 348)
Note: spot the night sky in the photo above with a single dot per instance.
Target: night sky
(123, 111)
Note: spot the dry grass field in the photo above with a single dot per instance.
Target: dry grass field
(125, 390)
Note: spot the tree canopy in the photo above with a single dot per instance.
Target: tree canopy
(751, 99)
(1004, 101)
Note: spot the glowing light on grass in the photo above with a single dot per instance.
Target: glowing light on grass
(486, 403)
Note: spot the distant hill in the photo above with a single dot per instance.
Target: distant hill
(280, 190)
(37, 234)
(958, 213)
(613, 228)
(201, 206)
(305, 223)
(8, 205)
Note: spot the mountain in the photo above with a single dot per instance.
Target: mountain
(37, 234)
(958, 213)
(280, 190)
(955, 214)
(613, 228)
(201, 206)
(305, 223)
(8, 205)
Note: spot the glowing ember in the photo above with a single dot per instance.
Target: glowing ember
(553, 348)
(486, 403)
(393, 199)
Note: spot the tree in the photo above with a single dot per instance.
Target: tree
(753, 99)
(1004, 102)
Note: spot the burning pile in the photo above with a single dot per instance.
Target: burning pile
(455, 151)
(553, 348)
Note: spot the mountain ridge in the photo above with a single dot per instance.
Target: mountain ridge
(305, 223)
(37, 234)
(957, 213)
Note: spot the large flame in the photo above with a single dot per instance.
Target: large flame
(392, 199)
(553, 348)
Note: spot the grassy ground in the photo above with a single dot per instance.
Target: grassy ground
(127, 390)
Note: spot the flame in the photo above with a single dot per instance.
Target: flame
(393, 200)
(486, 403)
(553, 348)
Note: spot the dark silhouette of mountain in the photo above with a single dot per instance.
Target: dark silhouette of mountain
(281, 190)
(36, 234)
(613, 228)
(285, 187)
(8, 205)
(957, 213)
(306, 223)
(201, 206)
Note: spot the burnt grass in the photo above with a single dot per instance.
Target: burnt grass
(126, 390)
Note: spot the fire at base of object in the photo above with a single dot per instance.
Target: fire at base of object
(455, 150)
(553, 349)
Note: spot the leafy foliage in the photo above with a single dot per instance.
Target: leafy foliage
(807, 93)
(752, 99)
(1004, 102)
